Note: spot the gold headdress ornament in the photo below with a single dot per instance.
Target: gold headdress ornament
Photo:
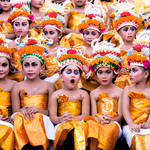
(140, 53)
(93, 19)
(67, 57)
(125, 15)
(20, 9)
(4, 50)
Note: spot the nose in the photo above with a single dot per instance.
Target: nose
(1, 69)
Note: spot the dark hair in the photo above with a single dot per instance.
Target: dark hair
(148, 78)
(80, 71)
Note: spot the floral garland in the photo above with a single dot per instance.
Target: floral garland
(18, 13)
(126, 17)
(32, 50)
(104, 62)
(54, 18)
(6, 52)
(63, 98)
(94, 22)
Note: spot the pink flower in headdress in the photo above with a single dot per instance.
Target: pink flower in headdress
(71, 51)
(124, 14)
(31, 17)
(52, 14)
(147, 64)
(9, 21)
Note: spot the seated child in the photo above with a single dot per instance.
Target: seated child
(6, 85)
(136, 98)
(70, 105)
(30, 100)
(104, 129)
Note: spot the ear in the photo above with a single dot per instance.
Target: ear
(146, 74)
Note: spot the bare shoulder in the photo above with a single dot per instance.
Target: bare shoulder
(128, 88)
(94, 92)
(118, 90)
(57, 93)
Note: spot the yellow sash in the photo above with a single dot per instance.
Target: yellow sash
(74, 107)
(139, 107)
(5, 103)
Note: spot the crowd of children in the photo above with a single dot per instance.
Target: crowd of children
(74, 74)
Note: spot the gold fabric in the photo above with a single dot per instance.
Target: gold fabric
(31, 131)
(139, 107)
(74, 107)
(106, 105)
(79, 134)
(75, 20)
(124, 79)
(103, 136)
(91, 83)
(51, 65)
(5, 27)
(5, 103)
(140, 142)
(39, 101)
(6, 138)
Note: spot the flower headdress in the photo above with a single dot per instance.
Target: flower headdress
(32, 49)
(54, 19)
(4, 50)
(140, 53)
(20, 9)
(67, 57)
(125, 15)
(93, 19)
(105, 55)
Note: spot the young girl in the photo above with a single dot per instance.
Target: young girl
(126, 23)
(70, 105)
(136, 103)
(103, 132)
(53, 26)
(20, 19)
(30, 101)
(6, 129)
(5, 27)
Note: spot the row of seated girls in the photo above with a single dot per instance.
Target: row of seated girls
(71, 71)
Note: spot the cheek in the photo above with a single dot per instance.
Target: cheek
(25, 28)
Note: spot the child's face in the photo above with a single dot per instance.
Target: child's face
(136, 73)
(90, 35)
(79, 3)
(4, 67)
(71, 76)
(21, 27)
(37, 3)
(5, 5)
(105, 76)
(31, 67)
(128, 33)
(51, 33)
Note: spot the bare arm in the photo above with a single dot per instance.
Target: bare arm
(52, 107)
(15, 98)
(119, 117)
(125, 106)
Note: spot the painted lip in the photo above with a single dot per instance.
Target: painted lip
(104, 80)
(72, 81)
(31, 74)
(131, 79)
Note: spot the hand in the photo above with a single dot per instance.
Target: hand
(145, 125)
(67, 117)
(29, 112)
(106, 119)
(7, 119)
(134, 127)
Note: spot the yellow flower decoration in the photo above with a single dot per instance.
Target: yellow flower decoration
(63, 98)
